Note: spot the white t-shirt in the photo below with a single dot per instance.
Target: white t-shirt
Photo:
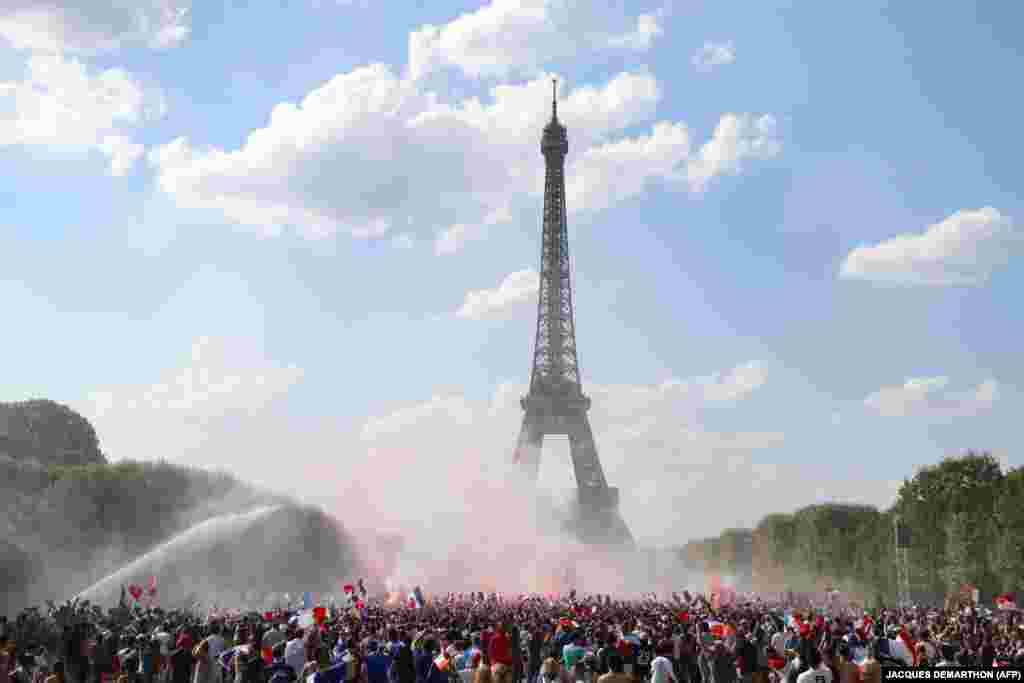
(819, 675)
(295, 655)
(661, 671)
(165, 640)
(779, 643)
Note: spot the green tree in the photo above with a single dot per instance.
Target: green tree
(1007, 550)
(967, 485)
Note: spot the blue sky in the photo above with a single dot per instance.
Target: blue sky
(260, 229)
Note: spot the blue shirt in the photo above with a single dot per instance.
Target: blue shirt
(377, 666)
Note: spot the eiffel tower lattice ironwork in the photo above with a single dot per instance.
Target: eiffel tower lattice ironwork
(555, 404)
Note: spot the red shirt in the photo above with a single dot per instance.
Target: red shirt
(500, 649)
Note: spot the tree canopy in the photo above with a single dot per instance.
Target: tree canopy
(967, 522)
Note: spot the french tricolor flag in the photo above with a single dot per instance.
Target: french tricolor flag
(1006, 601)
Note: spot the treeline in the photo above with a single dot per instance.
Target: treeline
(71, 516)
(966, 518)
(48, 433)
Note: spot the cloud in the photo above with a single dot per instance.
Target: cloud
(452, 239)
(221, 380)
(736, 139)
(928, 397)
(517, 288)
(92, 27)
(607, 174)
(712, 55)
(964, 249)
(367, 150)
(63, 103)
(647, 29)
(515, 36)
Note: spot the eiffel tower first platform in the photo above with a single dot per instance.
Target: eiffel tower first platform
(555, 404)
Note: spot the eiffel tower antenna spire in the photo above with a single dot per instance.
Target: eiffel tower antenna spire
(555, 403)
(554, 99)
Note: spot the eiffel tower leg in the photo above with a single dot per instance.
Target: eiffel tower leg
(584, 455)
(598, 504)
(528, 447)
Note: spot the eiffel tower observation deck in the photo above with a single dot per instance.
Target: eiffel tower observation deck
(555, 403)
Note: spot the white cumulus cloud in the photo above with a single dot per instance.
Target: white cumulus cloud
(93, 26)
(930, 397)
(964, 249)
(506, 36)
(517, 288)
(63, 103)
(712, 55)
(368, 149)
(736, 139)
(614, 171)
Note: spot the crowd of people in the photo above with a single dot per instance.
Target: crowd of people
(477, 638)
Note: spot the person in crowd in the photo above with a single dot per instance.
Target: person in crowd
(662, 670)
(58, 675)
(616, 670)
(871, 668)
(378, 662)
(817, 670)
(280, 670)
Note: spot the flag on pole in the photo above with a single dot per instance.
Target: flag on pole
(307, 600)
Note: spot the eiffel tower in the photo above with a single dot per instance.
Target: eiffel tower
(555, 404)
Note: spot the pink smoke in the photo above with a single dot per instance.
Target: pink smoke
(452, 523)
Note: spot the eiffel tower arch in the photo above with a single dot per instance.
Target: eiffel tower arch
(555, 403)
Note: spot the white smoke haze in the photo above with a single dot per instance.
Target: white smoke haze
(428, 491)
